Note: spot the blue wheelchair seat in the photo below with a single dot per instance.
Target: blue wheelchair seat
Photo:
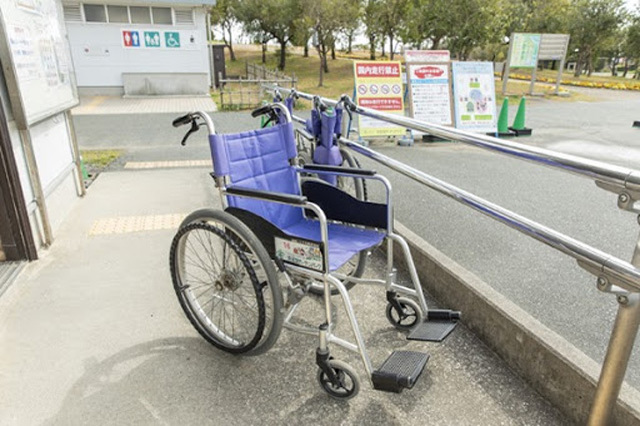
(344, 241)
(261, 160)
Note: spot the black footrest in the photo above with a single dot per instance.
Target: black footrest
(432, 331)
(401, 370)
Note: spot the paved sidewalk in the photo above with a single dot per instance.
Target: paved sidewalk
(93, 334)
(100, 105)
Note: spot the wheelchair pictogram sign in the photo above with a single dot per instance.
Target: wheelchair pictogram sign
(172, 39)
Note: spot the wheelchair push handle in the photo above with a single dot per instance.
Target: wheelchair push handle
(192, 118)
(275, 111)
(181, 121)
(266, 109)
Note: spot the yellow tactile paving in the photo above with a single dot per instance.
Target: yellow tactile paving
(157, 104)
(93, 104)
(127, 224)
(166, 164)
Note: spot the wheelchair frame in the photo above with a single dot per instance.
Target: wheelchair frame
(329, 280)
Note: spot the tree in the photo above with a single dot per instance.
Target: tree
(391, 19)
(473, 23)
(329, 17)
(424, 26)
(258, 36)
(353, 11)
(273, 17)
(548, 16)
(371, 21)
(632, 45)
(592, 23)
(303, 30)
(614, 49)
(224, 15)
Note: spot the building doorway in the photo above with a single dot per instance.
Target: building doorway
(16, 238)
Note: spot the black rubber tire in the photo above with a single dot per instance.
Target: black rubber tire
(411, 316)
(350, 382)
(255, 262)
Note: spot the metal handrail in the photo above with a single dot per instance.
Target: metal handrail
(614, 275)
(621, 178)
(627, 274)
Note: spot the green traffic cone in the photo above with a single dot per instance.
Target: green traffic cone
(518, 122)
(503, 118)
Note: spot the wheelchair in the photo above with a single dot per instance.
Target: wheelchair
(317, 141)
(277, 236)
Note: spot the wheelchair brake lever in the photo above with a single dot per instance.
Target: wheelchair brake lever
(273, 117)
(194, 128)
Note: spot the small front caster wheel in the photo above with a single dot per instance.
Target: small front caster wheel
(408, 317)
(348, 386)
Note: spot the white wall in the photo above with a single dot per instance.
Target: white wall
(100, 58)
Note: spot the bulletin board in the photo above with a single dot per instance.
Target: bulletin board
(474, 96)
(379, 86)
(35, 59)
(429, 87)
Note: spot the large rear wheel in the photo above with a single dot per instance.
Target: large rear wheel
(226, 283)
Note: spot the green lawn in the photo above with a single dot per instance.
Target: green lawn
(99, 159)
(339, 80)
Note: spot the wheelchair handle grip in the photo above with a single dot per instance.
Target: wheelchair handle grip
(181, 121)
(261, 111)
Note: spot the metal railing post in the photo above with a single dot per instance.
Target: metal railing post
(619, 351)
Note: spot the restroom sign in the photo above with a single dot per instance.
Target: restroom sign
(172, 39)
(131, 38)
(152, 39)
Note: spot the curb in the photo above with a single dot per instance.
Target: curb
(555, 368)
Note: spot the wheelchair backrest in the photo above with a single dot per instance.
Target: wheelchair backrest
(259, 159)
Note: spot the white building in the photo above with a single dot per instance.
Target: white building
(139, 47)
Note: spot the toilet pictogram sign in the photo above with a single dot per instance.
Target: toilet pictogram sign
(131, 38)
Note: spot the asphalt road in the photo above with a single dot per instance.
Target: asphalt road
(549, 285)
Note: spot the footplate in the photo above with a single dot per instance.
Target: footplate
(439, 325)
(401, 370)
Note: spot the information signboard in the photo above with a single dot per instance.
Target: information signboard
(379, 86)
(553, 47)
(524, 50)
(36, 60)
(474, 96)
(413, 56)
(430, 93)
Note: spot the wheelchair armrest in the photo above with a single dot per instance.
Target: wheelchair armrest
(338, 170)
(305, 134)
(279, 197)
